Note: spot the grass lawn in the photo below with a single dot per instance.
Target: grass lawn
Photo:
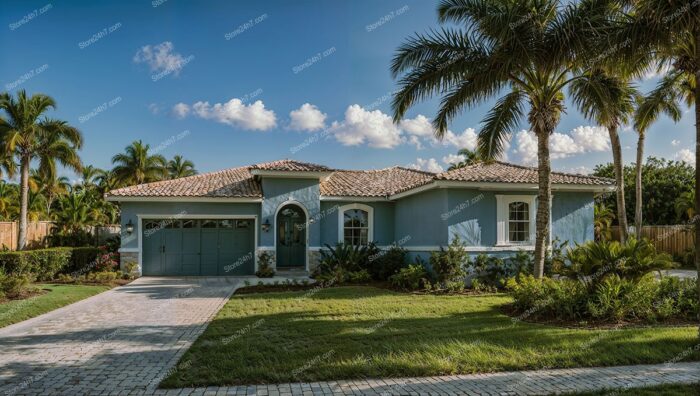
(661, 390)
(356, 332)
(56, 297)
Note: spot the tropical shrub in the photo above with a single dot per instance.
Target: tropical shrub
(386, 263)
(336, 261)
(635, 258)
(612, 299)
(448, 264)
(82, 260)
(265, 269)
(12, 285)
(413, 277)
(489, 272)
(361, 276)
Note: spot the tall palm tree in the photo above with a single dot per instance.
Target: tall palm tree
(528, 48)
(470, 158)
(662, 100)
(106, 181)
(29, 138)
(180, 167)
(610, 101)
(49, 185)
(90, 177)
(669, 32)
(136, 166)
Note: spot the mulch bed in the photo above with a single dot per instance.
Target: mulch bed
(25, 294)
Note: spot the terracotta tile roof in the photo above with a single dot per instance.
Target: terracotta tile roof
(290, 166)
(501, 172)
(373, 183)
(240, 183)
(228, 183)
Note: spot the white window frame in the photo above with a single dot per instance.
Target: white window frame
(502, 223)
(370, 220)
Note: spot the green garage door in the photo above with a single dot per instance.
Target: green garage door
(211, 247)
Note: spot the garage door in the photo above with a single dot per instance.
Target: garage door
(209, 247)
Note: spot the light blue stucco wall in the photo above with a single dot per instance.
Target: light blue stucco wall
(130, 211)
(279, 191)
(572, 217)
(383, 221)
(418, 217)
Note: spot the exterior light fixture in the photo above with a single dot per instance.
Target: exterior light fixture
(129, 227)
(266, 225)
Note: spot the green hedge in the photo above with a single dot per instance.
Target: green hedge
(45, 264)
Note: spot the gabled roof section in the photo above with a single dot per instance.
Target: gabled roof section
(502, 172)
(373, 183)
(287, 165)
(228, 183)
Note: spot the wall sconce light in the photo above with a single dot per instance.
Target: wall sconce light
(129, 227)
(266, 225)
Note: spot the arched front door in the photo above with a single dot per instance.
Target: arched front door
(291, 237)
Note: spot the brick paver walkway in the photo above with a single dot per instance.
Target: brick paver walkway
(124, 339)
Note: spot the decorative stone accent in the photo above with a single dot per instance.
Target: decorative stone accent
(314, 260)
(130, 257)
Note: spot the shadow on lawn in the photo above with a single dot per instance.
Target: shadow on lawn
(310, 344)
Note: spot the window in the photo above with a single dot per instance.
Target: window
(355, 224)
(518, 222)
(515, 220)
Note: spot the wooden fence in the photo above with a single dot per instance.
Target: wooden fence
(38, 232)
(673, 239)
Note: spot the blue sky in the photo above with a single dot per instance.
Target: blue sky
(216, 81)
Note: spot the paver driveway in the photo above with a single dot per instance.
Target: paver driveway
(125, 339)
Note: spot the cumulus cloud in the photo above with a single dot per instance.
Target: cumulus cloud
(371, 127)
(582, 139)
(686, 155)
(181, 110)
(430, 165)
(161, 57)
(675, 142)
(419, 126)
(307, 118)
(419, 130)
(450, 159)
(466, 139)
(234, 112)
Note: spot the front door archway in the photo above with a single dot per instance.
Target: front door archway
(291, 237)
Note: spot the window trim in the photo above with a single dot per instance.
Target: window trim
(502, 223)
(370, 220)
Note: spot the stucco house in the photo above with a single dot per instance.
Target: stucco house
(218, 223)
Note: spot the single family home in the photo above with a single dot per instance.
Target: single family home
(218, 223)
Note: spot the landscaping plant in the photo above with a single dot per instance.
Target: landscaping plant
(265, 269)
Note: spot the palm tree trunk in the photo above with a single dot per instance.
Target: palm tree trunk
(697, 169)
(638, 186)
(544, 191)
(24, 202)
(620, 181)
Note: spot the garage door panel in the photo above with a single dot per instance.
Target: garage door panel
(152, 245)
(210, 251)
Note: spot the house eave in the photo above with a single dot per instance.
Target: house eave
(351, 198)
(112, 198)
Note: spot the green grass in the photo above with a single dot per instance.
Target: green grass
(660, 390)
(356, 332)
(56, 297)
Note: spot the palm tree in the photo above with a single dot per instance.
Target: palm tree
(136, 166)
(8, 200)
(609, 100)
(49, 185)
(528, 48)
(180, 167)
(663, 99)
(106, 181)
(470, 158)
(603, 218)
(90, 177)
(28, 138)
(685, 205)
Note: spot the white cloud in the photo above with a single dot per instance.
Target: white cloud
(450, 159)
(686, 156)
(307, 118)
(361, 126)
(467, 139)
(430, 165)
(181, 110)
(160, 57)
(582, 139)
(253, 116)
(419, 126)
(675, 142)
(154, 108)
(580, 170)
